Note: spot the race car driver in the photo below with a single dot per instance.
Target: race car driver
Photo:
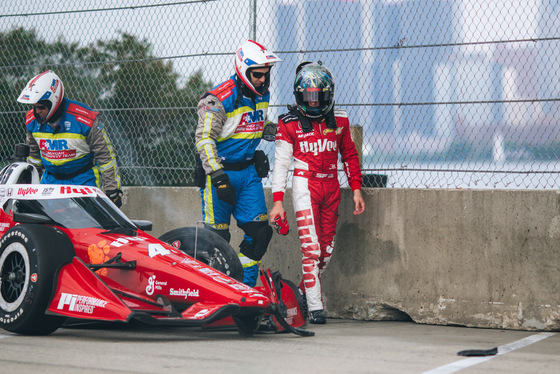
(231, 120)
(314, 133)
(67, 138)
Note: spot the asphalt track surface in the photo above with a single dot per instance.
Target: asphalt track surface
(340, 346)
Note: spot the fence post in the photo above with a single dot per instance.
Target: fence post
(357, 135)
(368, 180)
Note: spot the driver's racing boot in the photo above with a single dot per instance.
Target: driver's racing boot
(317, 317)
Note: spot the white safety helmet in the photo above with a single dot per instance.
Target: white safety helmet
(252, 55)
(46, 86)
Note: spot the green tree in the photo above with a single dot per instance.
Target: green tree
(150, 119)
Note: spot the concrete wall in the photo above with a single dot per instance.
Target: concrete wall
(481, 258)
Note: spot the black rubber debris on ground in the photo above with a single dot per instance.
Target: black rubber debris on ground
(478, 352)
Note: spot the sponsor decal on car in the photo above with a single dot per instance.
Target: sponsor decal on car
(151, 285)
(47, 191)
(203, 313)
(119, 242)
(27, 191)
(79, 303)
(188, 293)
(79, 190)
(189, 261)
(33, 277)
(154, 285)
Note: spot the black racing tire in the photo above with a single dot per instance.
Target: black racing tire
(212, 249)
(30, 258)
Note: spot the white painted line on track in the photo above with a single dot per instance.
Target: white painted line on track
(503, 349)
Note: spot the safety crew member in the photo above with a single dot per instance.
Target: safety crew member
(232, 118)
(67, 139)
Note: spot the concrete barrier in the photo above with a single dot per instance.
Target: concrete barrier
(478, 258)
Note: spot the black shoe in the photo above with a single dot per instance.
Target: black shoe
(317, 317)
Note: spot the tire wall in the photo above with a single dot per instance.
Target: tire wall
(479, 258)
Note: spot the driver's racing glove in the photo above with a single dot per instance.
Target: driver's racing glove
(269, 131)
(115, 196)
(281, 225)
(224, 188)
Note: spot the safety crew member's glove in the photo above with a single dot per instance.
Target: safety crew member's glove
(224, 188)
(115, 196)
(269, 131)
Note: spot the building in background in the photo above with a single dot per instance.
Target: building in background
(322, 26)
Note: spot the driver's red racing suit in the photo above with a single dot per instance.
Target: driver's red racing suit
(316, 189)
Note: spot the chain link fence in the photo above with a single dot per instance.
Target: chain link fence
(447, 94)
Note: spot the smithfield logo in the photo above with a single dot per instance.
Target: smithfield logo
(27, 191)
(184, 293)
(318, 146)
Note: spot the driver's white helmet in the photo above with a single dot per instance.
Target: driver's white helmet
(46, 86)
(252, 55)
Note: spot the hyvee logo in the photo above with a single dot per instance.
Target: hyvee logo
(27, 191)
(318, 146)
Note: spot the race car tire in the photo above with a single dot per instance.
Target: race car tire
(30, 258)
(212, 249)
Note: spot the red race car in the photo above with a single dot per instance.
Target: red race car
(69, 252)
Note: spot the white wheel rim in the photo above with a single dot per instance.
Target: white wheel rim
(20, 249)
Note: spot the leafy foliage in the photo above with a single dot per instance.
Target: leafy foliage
(150, 119)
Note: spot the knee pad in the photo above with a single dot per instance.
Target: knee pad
(259, 235)
(223, 233)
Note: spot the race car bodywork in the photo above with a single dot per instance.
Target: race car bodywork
(68, 251)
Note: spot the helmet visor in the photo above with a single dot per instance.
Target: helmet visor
(316, 95)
